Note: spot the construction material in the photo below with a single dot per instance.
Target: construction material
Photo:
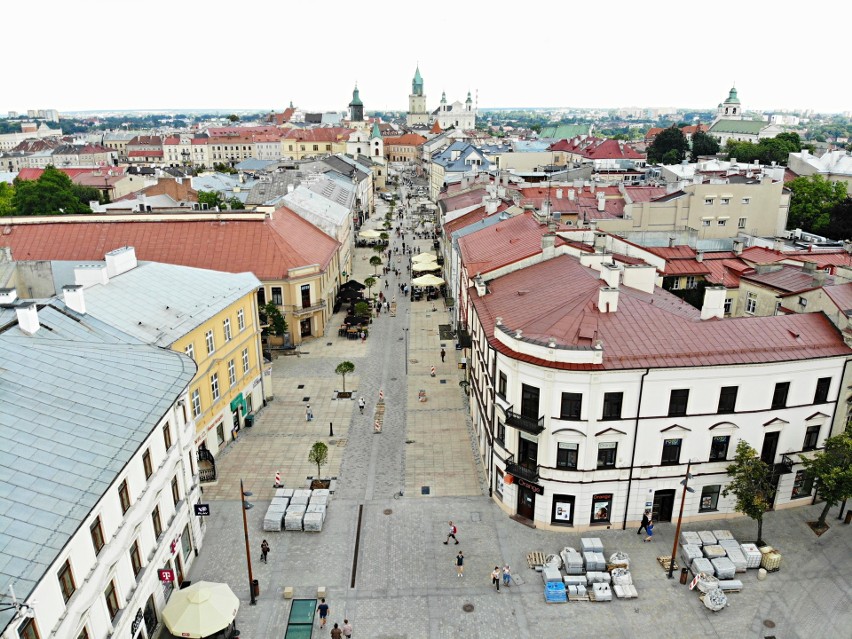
(294, 516)
(574, 580)
(572, 560)
(598, 577)
(551, 574)
(591, 544)
(625, 592)
(300, 500)
(707, 538)
(666, 561)
(535, 559)
(738, 559)
(731, 585)
(600, 592)
(318, 500)
(722, 534)
(771, 559)
(706, 582)
(577, 593)
(620, 559)
(555, 593)
(273, 519)
(715, 600)
(701, 565)
(621, 577)
(690, 538)
(688, 552)
(312, 522)
(712, 551)
(752, 555)
(284, 492)
(723, 567)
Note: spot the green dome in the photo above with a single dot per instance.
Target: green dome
(356, 99)
(732, 96)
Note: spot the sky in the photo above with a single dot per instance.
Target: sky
(188, 54)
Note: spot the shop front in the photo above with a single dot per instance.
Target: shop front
(527, 491)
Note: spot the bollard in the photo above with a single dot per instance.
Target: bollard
(331, 429)
(684, 575)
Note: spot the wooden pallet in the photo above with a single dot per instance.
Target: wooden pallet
(611, 567)
(578, 597)
(665, 562)
(535, 559)
(593, 598)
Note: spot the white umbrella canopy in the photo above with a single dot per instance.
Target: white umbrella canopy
(425, 266)
(201, 610)
(369, 234)
(427, 280)
(424, 257)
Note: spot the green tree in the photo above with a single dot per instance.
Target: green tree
(750, 485)
(7, 197)
(86, 194)
(812, 199)
(234, 117)
(211, 198)
(362, 309)
(384, 237)
(670, 144)
(318, 456)
(236, 204)
(343, 369)
(703, 144)
(51, 194)
(375, 262)
(271, 315)
(831, 469)
(370, 282)
(840, 221)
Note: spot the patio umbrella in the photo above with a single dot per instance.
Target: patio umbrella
(369, 234)
(201, 610)
(349, 294)
(427, 280)
(425, 266)
(424, 257)
(353, 284)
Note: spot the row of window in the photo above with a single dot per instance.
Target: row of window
(725, 201)
(315, 147)
(195, 396)
(209, 338)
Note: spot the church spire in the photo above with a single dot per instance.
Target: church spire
(417, 83)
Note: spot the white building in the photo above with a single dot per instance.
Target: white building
(101, 474)
(592, 388)
(456, 115)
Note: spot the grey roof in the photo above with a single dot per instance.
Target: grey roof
(253, 164)
(79, 399)
(139, 302)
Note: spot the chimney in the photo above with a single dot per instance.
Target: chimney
(570, 195)
(809, 267)
(548, 245)
(90, 274)
(73, 296)
(491, 205)
(738, 247)
(558, 194)
(601, 202)
(481, 288)
(610, 274)
(714, 302)
(699, 256)
(290, 188)
(778, 244)
(847, 246)
(120, 261)
(819, 278)
(672, 241)
(607, 299)
(27, 317)
(642, 277)
(8, 296)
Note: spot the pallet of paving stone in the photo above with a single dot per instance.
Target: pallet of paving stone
(728, 544)
(688, 552)
(722, 534)
(691, 538)
(713, 551)
(294, 516)
(280, 502)
(312, 522)
(731, 585)
(591, 544)
(701, 564)
(723, 567)
(666, 561)
(300, 500)
(273, 519)
(319, 500)
(600, 592)
(535, 559)
(625, 592)
(284, 492)
(752, 555)
(321, 492)
(738, 559)
(707, 538)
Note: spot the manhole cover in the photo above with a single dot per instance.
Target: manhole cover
(388, 511)
(443, 381)
(769, 623)
(468, 607)
(306, 399)
(300, 386)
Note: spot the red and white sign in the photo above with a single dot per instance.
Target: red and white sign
(381, 394)
(166, 576)
(693, 583)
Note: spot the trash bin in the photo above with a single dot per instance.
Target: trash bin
(684, 575)
(848, 519)
(255, 587)
(248, 422)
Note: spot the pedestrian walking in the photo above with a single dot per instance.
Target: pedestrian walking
(452, 533)
(361, 404)
(264, 550)
(309, 414)
(650, 529)
(507, 575)
(363, 337)
(336, 632)
(347, 628)
(443, 354)
(386, 282)
(460, 564)
(495, 577)
(644, 524)
(323, 612)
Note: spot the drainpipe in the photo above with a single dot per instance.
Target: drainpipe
(259, 347)
(633, 452)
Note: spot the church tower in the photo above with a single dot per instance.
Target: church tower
(730, 109)
(356, 107)
(417, 114)
(377, 144)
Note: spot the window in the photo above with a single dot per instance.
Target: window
(175, 491)
(232, 373)
(811, 438)
(705, 222)
(721, 222)
(562, 510)
(135, 558)
(501, 385)
(111, 600)
(741, 223)
(501, 432)
(158, 523)
(729, 302)
(167, 435)
(803, 485)
(499, 482)
(66, 581)
(214, 386)
(196, 403)
(709, 498)
(566, 455)
(84, 633)
(677, 402)
(190, 350)
(612, 405)
(690, 281)
(719, 447)
(146, 464)
(601, 508)
(245, 361)
(28, 630)
(124, 496)
(671, 451)
(529, 401)
(728, 399)
(211, 346)
(572, 404)
(220, 433)
(241, 320)
(606, 454)
(779, 397)
(751, 303)
(676, 284)
(725, 201)
(746, 201)
(226, 325)
(803, 302)
(277, 297)
(822, 388)
(708, 201)
(97, 533)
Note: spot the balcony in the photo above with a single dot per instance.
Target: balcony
(784, 467)
(299, 311)
(526, 424)
(206, 466)
(530, 474)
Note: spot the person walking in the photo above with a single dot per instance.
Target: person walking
(460, 564)
(644, 524)
(495, 577)
(347, 628)
(507, 575)
(451, 534)
(361, 404)
(336, 632)
(309, 414)
(264, 550)
(363, 337)
(443, 354)
(650, 529)
(323, 612)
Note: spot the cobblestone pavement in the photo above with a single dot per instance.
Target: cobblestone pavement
(404, 583)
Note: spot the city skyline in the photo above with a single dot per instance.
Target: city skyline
(586, 64)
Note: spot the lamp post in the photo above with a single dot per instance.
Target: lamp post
(685, 483)
(405, 333)
(245, 507)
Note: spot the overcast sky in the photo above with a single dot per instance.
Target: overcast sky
(182, 54)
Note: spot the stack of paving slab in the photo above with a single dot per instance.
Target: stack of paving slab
(688, 552)
(707, 538)
(294, 517)
(574, 580)
(602, 592)
(551, 574)
(554, 592)
(702, 564)
(735, 554)
(712, 551)
(274, 517)
(316, 510)
(723, 567)
(752, 555)
(690, 538)
(593, 558)
(622, 582)
(572, 560)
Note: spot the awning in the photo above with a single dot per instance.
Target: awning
(239, 401)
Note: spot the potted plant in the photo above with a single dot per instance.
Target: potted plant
(319, 456)
(343, 369)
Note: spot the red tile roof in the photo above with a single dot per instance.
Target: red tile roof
(822, 259)
(267, 248)
(558, 299)
(680, 251)
(841, 295)
(645, 193)
(454, 201)
(597, 148)
(73, 173)
(470, 218)
(787, 279)
(153, 153)
(409, 139)
(319, 134)
(726, 272)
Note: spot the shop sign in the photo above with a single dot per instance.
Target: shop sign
(538, 490)
(165, 575)
(601, 506)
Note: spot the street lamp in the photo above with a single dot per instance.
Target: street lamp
(246, 506)
(685, 483)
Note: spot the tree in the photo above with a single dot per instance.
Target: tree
(234, 117)
(211, 198)
(831, 470)
(840, 221)
(318, 455)
(370, 282)
(811, 201)
(750, 485)
(384, 237)
(703, 144)
(273, 317)
(362, 309)
(343, 369)
(236, 204)
(375, 262)
(51, 194)
(670, 144)
(7, 197)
